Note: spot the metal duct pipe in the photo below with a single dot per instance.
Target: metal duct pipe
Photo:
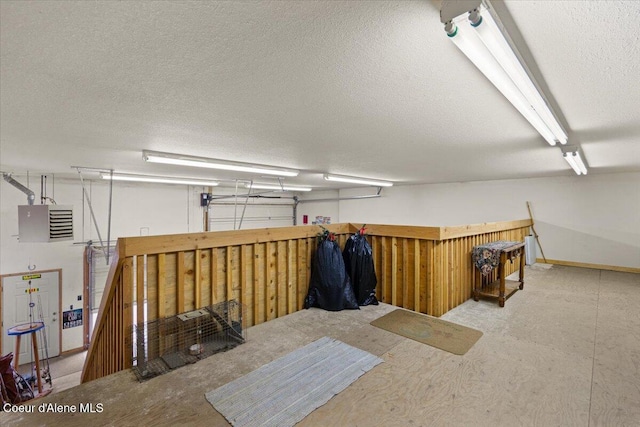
(31, 196)
(337, 199)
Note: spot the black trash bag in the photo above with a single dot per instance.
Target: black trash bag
(358, 260)
(330, 287)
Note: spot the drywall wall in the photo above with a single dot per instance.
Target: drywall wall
(136, 209)
(264, 209)
(592, 219)
(325, 206)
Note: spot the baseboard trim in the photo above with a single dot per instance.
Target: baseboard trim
(586, 265)
(73, 351)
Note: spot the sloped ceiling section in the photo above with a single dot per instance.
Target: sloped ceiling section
(371, 89)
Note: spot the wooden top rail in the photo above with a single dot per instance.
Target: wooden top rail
(443, 233)
(115, 272)
(487, 227)
(130, 246)
(184, 242)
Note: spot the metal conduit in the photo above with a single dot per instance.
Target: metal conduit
(254, 218)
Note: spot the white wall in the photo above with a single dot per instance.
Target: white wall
(593, 219)
(589, 219)
(136, 209)
(271, 209)
(320, 208)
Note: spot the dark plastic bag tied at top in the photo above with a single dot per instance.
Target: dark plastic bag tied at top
(330, 287)
(358, 260)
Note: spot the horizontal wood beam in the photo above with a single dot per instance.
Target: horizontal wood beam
(406, 231)
(487, 227)
(219, 239)
(443, 233)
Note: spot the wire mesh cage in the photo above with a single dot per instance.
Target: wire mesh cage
(172, 342)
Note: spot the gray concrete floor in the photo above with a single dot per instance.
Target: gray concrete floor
(564, 351)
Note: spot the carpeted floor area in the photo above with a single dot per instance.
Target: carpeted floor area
(564, 351)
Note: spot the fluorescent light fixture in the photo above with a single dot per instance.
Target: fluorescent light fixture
(355, 180)
(575, 161)
(479, 34)
(159, 179)
(276, 187)
(204, 162)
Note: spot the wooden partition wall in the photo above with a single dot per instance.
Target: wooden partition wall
(426, 269)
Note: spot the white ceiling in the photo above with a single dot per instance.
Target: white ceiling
(372, 89)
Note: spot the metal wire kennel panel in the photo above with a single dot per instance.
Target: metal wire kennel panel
(172, 342)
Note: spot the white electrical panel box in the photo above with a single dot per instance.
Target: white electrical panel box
(45, 223)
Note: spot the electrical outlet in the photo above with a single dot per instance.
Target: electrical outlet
(79, 297)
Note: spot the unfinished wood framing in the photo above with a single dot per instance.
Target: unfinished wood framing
(425, 269)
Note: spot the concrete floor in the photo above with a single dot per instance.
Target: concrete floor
(564, 351)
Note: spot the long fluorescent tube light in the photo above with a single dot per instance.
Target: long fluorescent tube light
(355, 180)
(575, 161)
(481, 37)
(276, 187)
(159, 179)
(204, 162)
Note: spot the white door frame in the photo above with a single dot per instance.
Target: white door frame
(3, 330)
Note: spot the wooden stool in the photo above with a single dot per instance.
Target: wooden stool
(18, 331)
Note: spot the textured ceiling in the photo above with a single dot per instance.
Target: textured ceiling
(372, 89)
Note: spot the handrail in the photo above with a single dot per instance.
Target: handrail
(147, 245)
(113, 280)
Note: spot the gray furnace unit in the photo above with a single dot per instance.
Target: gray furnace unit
(45, 223)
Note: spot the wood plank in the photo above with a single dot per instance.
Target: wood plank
(271, 281)
(281, 278)
(302, 261)
(404, 231)
(220, 239)
(424, 259)
(430, 277)
(312, 246)
(256, 297)
(152, 287)
(258, 283)
(161, 297)
(189, 281)
(140, 279)
(236, 269)
(139, 303)
(124, 336)
(484, 228)
(197, 284)
(180, 283)
(248, 281)
(439, 284)
(292, 253)
(242, 270)
(228, 295)
(416, 276)
(214, 276)
(161, 286)
(376, 252)
(205, 277)
(386, 268)
(394, 271)
(406, 285)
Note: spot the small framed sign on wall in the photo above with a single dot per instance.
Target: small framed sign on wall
(72, 318)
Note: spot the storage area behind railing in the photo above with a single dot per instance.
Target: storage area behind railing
(426, 269)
